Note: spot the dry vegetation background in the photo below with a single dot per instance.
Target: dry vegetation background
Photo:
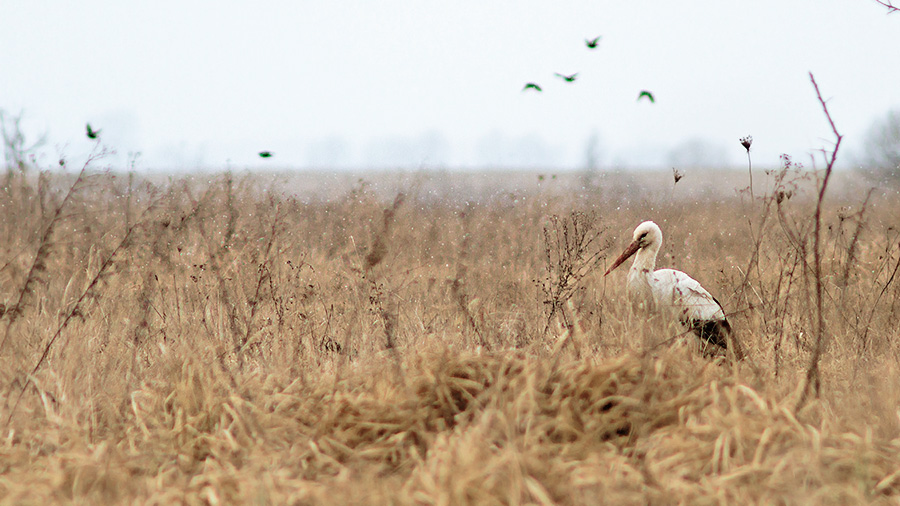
(439, 338)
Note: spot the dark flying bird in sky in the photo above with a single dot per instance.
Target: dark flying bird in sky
(91, 133)
(592, 43)
(532, 86)
(569, 79)
(265, 154)
(647, 94)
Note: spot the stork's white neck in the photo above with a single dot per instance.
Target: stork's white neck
(639, 286)
(645, 259)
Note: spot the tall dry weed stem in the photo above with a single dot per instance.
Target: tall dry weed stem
(813, 377)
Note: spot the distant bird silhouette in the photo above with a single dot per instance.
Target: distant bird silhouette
(532, 86)
(647, 94)
(592, 43)
(265, 154)
(569, 79)
(91, 133)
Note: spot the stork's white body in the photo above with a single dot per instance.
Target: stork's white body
(671, 291)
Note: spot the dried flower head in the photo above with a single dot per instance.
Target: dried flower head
(782, 195)
(677, 175)
(746, 142)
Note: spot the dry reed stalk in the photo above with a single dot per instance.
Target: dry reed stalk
(36, 274)
(850, 261)
(377, 251)
(231, 225)
(264, 277)
(379, 247)
(78, 308)
(571, 333)
(457, 283)
(216, 251)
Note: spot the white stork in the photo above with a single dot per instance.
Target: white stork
(673, 291)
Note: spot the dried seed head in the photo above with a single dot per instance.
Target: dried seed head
(677, 175)
(746, 142)
(782, 195)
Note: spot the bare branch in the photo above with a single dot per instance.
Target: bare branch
(890, 6)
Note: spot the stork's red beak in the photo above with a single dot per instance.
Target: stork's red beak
(630, 250)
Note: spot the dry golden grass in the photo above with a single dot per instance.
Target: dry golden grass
(259, 339)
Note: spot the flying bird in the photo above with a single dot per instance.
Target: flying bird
(673, 291)
(91, 133)
(265, 154)
(647, 94)
(568, 79)
(592, 43)
(532, 86)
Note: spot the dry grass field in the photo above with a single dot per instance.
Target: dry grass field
(439, 338)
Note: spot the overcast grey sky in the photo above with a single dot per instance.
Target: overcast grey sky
(438, 83)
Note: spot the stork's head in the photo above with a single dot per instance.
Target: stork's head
(647, 235)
